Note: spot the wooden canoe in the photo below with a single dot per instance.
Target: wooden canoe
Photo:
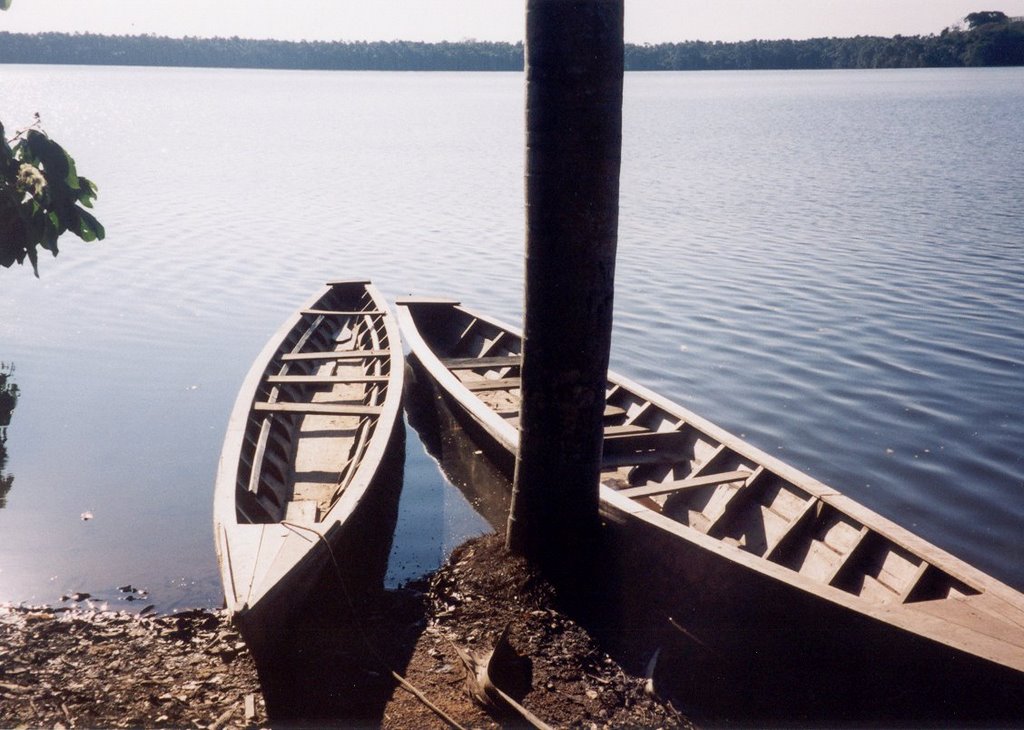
(805, 589)
(303, 461)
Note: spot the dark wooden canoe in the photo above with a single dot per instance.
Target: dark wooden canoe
(302, 459)
(752, 559)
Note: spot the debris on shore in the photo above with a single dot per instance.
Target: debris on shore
(483, 596)
(71, 668)
(66, 667)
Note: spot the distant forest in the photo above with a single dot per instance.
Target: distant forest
(987, 39)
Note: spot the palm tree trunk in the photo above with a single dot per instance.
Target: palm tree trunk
(574, 66)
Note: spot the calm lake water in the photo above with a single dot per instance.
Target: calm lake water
(828, 263)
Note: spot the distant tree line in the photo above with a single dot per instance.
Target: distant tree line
(998, 42)
(989, 39)
(148, 50)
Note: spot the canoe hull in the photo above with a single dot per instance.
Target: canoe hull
(307, 488)
(739, 637)
(739, 641)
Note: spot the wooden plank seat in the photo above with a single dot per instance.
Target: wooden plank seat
(334, 355)
(327, 379)
(633, 448)
(693, 483)
(610, 412)
(624, 430)
(321, 409)
(474, 363)
(493, 384)
(623, 443)
(343, 312)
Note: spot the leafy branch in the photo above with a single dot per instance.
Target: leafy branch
(8, 399)
(41, 196)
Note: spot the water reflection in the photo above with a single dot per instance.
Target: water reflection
(350, 642)
(8, 400)
(337, 633)
(481, 477)
(856, 309)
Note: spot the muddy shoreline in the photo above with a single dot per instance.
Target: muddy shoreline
(74, 668)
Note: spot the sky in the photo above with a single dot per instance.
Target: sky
(647, 21)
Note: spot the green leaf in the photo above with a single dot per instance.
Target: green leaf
(87, 227)
(88, 192)
(7, 255)
(38, 220)
(57, 164)
(6, 153)
(45, 229)
(33, 257)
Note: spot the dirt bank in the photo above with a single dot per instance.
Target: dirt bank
(71, 668)
(76, 669)
(479, 592)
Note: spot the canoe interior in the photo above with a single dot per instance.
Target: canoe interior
(678, 470)
(315, 410)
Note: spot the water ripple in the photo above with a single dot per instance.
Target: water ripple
(830, 264)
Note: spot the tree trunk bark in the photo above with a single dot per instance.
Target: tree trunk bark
(574, 69)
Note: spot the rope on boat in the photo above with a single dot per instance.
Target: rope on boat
(405, 684)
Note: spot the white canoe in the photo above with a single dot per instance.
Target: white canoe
(301, 462)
